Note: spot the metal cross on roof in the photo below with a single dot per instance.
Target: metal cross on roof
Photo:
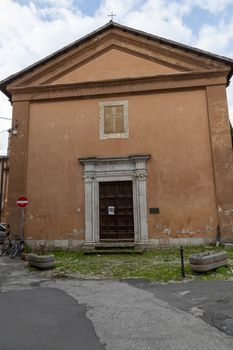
(111, 15)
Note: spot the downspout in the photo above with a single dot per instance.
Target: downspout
(1, 188)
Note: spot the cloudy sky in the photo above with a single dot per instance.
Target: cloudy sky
(32, 29)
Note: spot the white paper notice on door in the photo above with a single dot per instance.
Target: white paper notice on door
(111, 210)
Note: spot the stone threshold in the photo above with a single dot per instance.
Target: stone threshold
(114, 247)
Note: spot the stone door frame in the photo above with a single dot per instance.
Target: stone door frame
(131, 168)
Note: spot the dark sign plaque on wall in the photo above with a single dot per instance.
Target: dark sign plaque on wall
(154, 210)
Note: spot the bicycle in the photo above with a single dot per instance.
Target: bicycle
(11, 247)
(16, 248)
(6, 241)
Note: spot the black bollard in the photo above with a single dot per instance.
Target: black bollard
(182, 261)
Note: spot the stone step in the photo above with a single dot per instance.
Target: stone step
(122, 245)
(113, 251)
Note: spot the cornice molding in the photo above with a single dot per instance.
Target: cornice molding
(131, 158)
(124, 86)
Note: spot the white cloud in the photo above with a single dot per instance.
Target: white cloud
(61, 3)
(213, 6)
(163, 18)
(32, 31)
(218, 38)
(120, 7)
(5, 111)
(29, 36)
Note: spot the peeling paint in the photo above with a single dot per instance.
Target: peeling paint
(186, 231)
(77, 232)
(167, 230)
(158, 227)
(30, 216)
(162, 228)
(191, 231)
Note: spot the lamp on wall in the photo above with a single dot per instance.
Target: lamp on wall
(14, 128)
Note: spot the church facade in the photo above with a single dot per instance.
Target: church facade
(122, 137)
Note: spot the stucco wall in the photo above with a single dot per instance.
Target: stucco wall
(172, 127)
(114, 64)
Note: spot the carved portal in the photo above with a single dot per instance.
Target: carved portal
(131, 168)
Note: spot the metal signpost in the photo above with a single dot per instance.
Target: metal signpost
(22, 202)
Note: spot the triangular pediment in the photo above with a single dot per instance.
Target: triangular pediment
(115, 52)
(114, 64)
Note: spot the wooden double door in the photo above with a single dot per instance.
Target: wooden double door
(116, 211)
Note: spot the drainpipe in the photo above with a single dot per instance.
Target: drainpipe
(1, 188)
(218, 235)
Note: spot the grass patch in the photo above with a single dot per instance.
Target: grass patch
(155, 265)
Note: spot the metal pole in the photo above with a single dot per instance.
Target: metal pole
(21, 223)
(182, 261)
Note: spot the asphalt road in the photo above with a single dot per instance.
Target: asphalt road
(117, 315)
(212, 301)
(45, 319)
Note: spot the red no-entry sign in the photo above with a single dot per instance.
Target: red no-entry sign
(22, 202)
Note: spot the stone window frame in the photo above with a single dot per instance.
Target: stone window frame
(123, 135)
